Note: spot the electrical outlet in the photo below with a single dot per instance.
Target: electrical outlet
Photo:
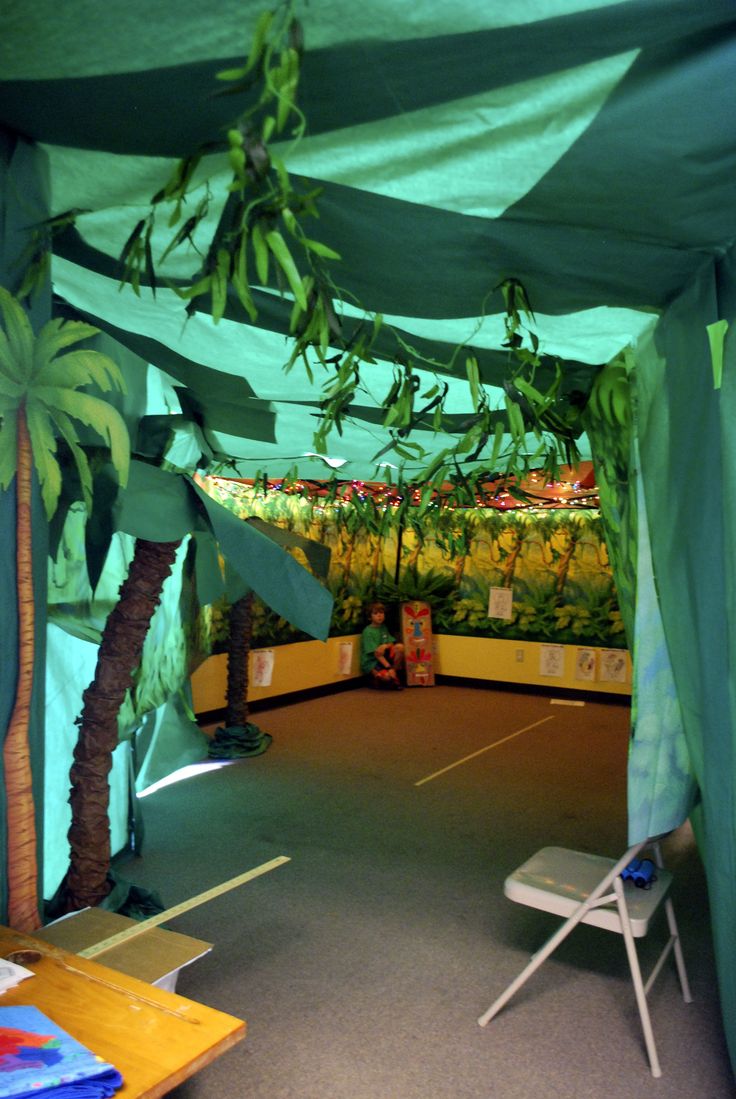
(519, 656)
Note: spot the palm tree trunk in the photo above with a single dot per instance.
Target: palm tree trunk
(345, 552)
(22, 866)
(510, 564)
(563, 568)
(86, 881)
(459, 570)
(241, 633)
(377, 552)
(412, 561)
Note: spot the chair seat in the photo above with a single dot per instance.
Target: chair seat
(557, 880)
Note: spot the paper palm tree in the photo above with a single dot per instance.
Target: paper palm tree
(159, 508)
(40, 400)
(239, 736)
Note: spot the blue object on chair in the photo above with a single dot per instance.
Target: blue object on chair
(640, 872)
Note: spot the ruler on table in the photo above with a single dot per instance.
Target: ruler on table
(168, 914)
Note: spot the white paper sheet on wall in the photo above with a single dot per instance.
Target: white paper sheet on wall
(263, 667)
(585, 665)
(345, 658)
(552, 660)
(613, 666)
(500, 603)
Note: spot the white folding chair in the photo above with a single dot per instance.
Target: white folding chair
(589, 889)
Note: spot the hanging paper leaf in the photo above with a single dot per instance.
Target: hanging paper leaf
(716, 339)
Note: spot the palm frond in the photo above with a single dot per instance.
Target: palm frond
(9, 368)
(95, 413)
(68, 433)
(8, 447)
(11, 390)
(43, 444)
(82, 367)
(55, 335)
(19, 334)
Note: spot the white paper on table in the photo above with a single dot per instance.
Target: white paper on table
(262, 673)
(12, 974)
(500, 603)
(345, 658)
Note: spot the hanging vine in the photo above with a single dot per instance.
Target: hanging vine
(260, 239)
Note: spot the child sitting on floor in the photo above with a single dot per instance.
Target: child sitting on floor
(381, 656)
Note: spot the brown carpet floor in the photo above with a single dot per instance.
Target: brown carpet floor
(362, 965)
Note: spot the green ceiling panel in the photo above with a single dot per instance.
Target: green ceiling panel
(477, 154)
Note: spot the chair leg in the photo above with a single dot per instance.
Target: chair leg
(641, 996)
(531, 967)
(679, 959)
(674, 935)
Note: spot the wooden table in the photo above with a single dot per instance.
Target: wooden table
(154, 1038)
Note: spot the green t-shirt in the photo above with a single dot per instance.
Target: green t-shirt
(370, 639)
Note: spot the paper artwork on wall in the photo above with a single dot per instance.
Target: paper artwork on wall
(500, 603)
(585, 665)
(416, 634)
(613, 666)
(552, 660)
(263, 667)
(345, 658)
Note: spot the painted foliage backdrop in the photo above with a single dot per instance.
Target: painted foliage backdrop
(555, 563)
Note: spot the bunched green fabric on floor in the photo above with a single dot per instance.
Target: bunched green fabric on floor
(238, 741)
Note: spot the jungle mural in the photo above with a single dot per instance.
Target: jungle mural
(554, 561)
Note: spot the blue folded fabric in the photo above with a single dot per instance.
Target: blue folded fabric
(99, 1087)
(38, 1058)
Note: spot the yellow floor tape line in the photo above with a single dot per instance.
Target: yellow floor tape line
(496, 744)
(184, 906)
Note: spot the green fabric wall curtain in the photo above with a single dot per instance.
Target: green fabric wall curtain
(688, 470)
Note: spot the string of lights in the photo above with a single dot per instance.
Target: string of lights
(535, 493)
